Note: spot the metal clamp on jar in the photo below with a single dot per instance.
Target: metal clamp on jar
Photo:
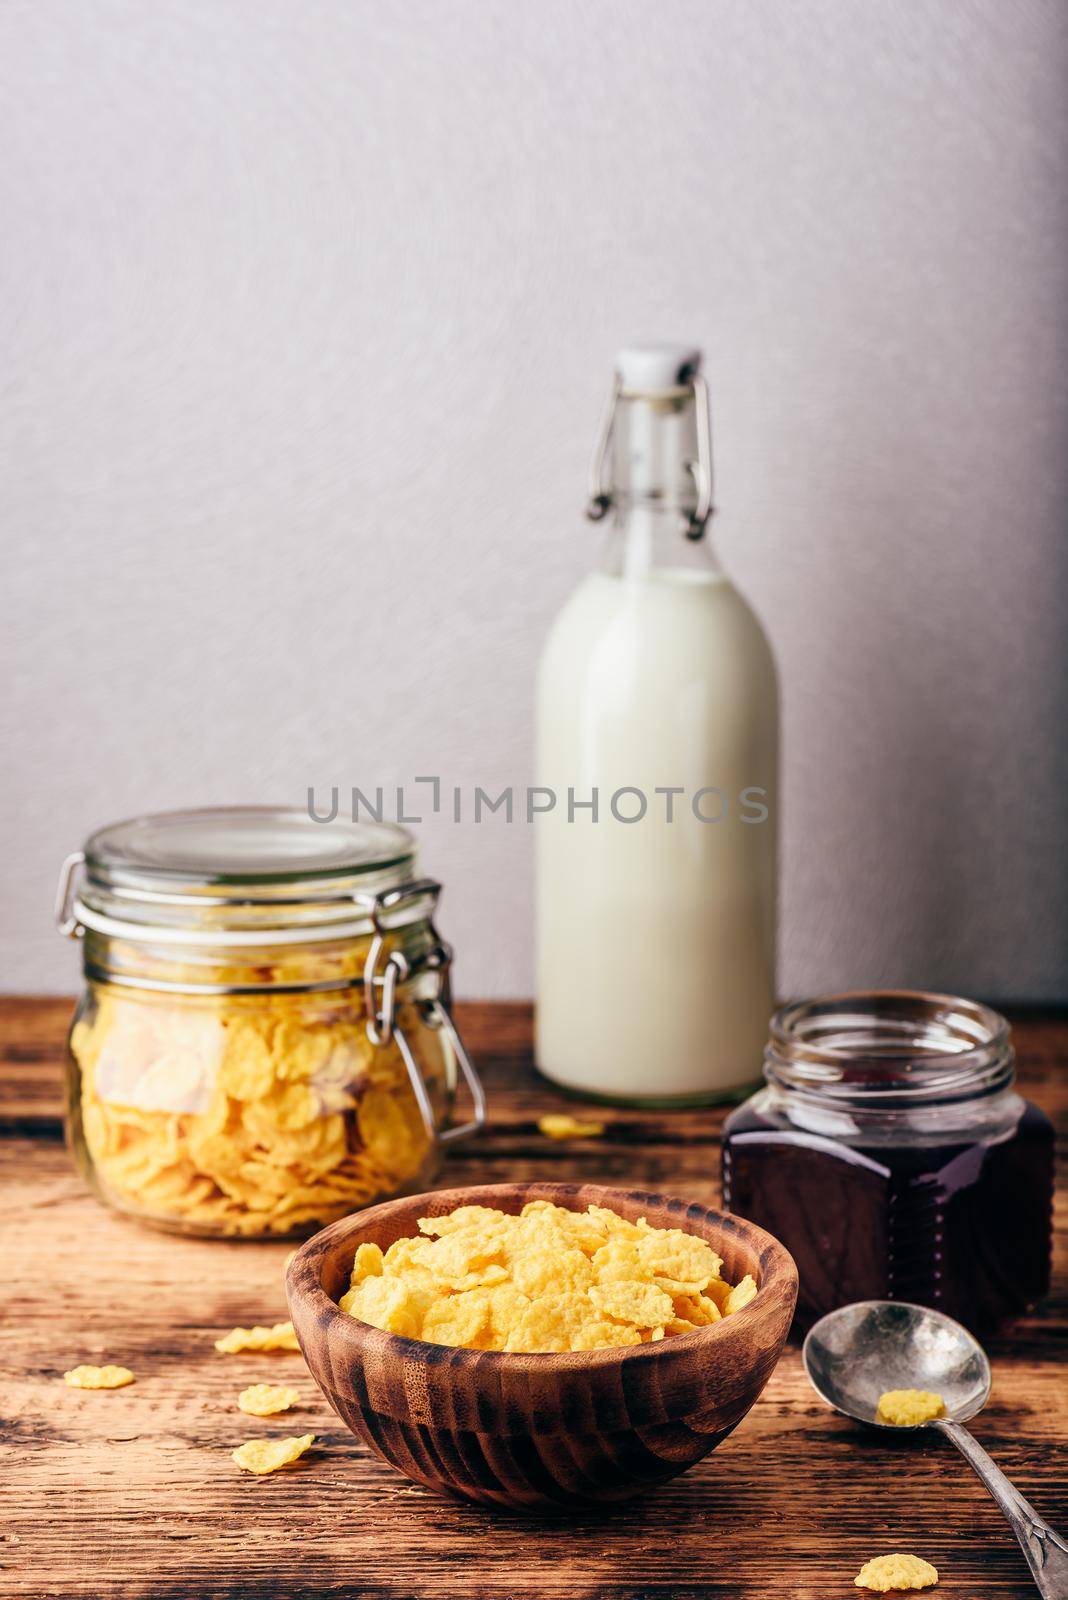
(265, 1042)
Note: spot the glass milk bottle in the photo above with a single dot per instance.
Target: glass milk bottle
(657, 751)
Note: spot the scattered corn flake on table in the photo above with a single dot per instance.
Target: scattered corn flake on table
(132, 1492)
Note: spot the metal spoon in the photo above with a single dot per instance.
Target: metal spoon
(855, 1354)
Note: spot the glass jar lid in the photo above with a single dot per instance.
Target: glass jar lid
(237, 874)
(251, 845)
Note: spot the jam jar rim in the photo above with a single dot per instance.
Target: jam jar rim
(922, 1048)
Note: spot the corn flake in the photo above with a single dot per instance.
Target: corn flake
(909, 1408)
(544, 1271)
(700, 1309)
(267, 1399)
(550, 1323)
(98, 1377)
(642, 1304)
(458, 1319)
(884, 1573)
(240, 1340)
(368, 1262)
(689, 1262)
(604, 1336)
(481, 1217)
(614, 1226)
(548, 1279)
(557, 1125)
(740, 1295)
(270, 1455)
(717, 1290)
(390, 1303)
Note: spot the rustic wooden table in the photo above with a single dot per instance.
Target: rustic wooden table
(133, 1494)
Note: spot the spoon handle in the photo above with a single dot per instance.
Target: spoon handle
(1046, 1551)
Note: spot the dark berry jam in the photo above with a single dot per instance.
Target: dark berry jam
(897, 1169)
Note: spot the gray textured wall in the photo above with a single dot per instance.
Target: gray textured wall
(307, 314)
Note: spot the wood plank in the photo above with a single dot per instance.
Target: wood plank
(132, 1494)
(33, 1031)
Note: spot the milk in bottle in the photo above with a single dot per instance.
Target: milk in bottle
(657, 736)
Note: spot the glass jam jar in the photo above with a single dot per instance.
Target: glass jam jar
(264, 1042)
(891, 1155)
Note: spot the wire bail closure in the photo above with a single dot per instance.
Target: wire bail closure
(66, 919)
(383, 1027)
(600, 498)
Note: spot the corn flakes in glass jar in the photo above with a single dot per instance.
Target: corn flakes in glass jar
(264, 1043)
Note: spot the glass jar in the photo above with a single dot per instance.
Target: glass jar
(264, 1042)
(891, 1155)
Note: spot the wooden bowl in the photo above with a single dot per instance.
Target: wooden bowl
(541, 1432)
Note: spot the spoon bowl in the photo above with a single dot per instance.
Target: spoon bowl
(854, 1354)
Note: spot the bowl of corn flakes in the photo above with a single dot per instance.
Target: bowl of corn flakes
(541, 1346)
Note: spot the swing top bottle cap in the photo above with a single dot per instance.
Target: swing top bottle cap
(652, 368)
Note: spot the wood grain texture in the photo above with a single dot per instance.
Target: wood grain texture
(541, 1432)
(131, 1495)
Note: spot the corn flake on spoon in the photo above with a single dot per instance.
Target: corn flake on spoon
(855, 1354)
